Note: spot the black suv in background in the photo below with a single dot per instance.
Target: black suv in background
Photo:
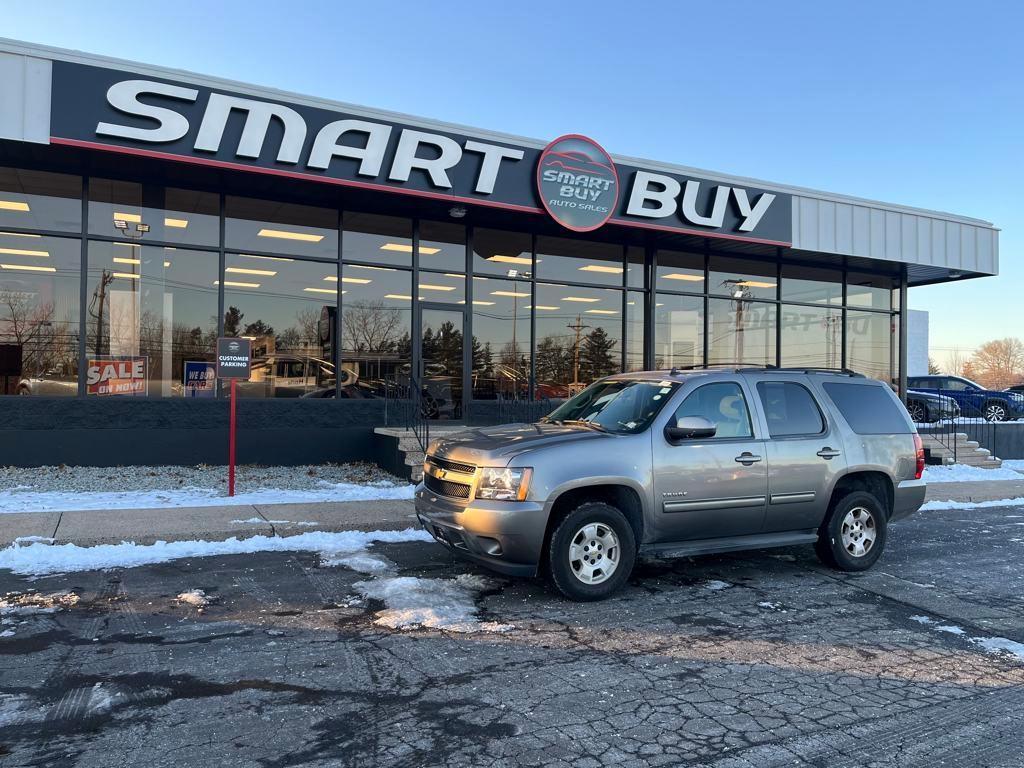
(974, 400)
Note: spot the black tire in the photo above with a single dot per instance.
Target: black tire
(918, 412)
(560, 567)
(832, 550)
(994, 411)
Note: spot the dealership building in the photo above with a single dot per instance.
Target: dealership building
(367, 255)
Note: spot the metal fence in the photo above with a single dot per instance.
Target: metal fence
(954, 435)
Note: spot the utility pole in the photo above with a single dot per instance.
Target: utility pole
(578, 327)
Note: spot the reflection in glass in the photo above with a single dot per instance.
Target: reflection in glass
(40, 200)
(678, 331)
(117, 208)
(496, 252)
(741, 332)
(274, 227)
(579, 337)
(377, 239)
(811, 285)
(742, 279)
(635, 266)
(287, 308)
(376, 325)
(152, 314)
(869, 291)
(39, 328)
(869, 344)
(634, 331)
(579, 261)
(442, 246)
(442, 363)
(812, 337)
(501, 339)
(679, 271)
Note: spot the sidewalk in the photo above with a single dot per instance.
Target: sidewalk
(144, 526)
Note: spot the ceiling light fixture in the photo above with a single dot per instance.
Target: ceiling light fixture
(684, 276)
(18, 234)
(125, 260)
(457, 212)
(541, 306)
(265, 258)
(511, 259)
(582, 299)
(283, 234)
(127, 245)
(601, 268)
(601, 312)
(134, 218)
(27, 268)
(516, 294)
(234, 284)
(13, 205)
(353, 280)
(478, 303)
(247, 271)
(176, 223)
(22, 252)
(127, 275)
(432, 287)
(320, 290)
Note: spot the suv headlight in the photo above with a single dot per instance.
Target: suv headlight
(504, 483)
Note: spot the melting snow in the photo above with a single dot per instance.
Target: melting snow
(194, 597)
(24, 603)
(964, 473)
(939, 505)
(42, 559)
(447, 604)
(990, 644)
(27, 500)
(716, 585)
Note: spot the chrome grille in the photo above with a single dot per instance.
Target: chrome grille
(453, 466)
(446, 487)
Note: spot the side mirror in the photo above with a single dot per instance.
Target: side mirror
(690, 428)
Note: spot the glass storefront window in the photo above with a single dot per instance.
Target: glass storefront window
(634, 331)
(275, 227)
(152, 321)
(869, 344)
(376, 239)
(376, 325)
(678, 331)
(579, 261)
(286, 307)
(578, 337)
(39, 322)
(679, 271)
(741, 332)
(812, 337)
(742, 279)
(867, 291)
(117, 208)
(635, 266)
(443, 287)
(40, 200)
(811, 285)
(442, 246)
(501, 339)
(496, 252)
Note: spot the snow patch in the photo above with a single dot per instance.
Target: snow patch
(260, 521)
(715, 585)
(447, 604)
(964, 473)
(931, 506)
(34, 540)
(43, 559)
(361, 561)
(25, 603)
(27, 500)
(990, 644)
(194, 597)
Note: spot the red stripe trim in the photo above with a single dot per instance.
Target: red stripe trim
(379, 187)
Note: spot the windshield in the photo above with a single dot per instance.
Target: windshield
(619, 406)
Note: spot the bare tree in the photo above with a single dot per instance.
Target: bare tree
(955, 362)
(371, 326)
(999, 363)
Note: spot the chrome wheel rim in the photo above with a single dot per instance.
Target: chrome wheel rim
(995, 413)
(594, 553)
(917, 413)
(859, 532)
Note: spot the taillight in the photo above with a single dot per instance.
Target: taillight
(919, 449)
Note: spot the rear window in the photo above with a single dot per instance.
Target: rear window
(790, 409)
(868, 409)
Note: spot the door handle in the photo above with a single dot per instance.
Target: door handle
(828, 453)
(747, 458)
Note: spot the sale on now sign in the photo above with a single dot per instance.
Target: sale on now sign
(117, 376)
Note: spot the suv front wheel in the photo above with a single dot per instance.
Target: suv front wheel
(592, 552)
(853, 536)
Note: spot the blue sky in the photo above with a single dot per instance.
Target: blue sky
(914, 103)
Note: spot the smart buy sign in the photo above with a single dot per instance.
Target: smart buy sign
(117, 376)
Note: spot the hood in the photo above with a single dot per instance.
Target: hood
(484, 445)
(930, 396)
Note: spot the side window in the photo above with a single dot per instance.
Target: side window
(954, 385)
(722, 404)
(790, 409)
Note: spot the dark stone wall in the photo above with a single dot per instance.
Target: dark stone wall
(94, 432)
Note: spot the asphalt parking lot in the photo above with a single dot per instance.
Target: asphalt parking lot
(757, 659)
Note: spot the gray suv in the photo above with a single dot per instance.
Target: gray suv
(678, 463)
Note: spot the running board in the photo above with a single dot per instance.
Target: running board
(730, 544)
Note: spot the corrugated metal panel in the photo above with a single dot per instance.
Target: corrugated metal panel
(25, 95)
(827, 226)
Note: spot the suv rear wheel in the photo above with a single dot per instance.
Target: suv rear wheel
(995, 411)
(592, 552)
(853, 535)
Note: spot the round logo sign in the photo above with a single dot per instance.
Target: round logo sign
(577, 182)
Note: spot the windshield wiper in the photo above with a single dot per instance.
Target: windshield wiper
(585, 423)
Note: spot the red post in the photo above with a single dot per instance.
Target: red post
(231, 443)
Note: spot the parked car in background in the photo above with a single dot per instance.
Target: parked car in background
(974, 400)
(928, 408)
(1016, 388)
(676, 464)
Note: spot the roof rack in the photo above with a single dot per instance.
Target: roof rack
(839, 371)
(751, 368)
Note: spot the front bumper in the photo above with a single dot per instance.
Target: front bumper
(907, 499)
(505, 536)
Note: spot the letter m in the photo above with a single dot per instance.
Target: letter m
(257, 121)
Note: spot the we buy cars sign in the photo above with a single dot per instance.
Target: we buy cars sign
(117, 376)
